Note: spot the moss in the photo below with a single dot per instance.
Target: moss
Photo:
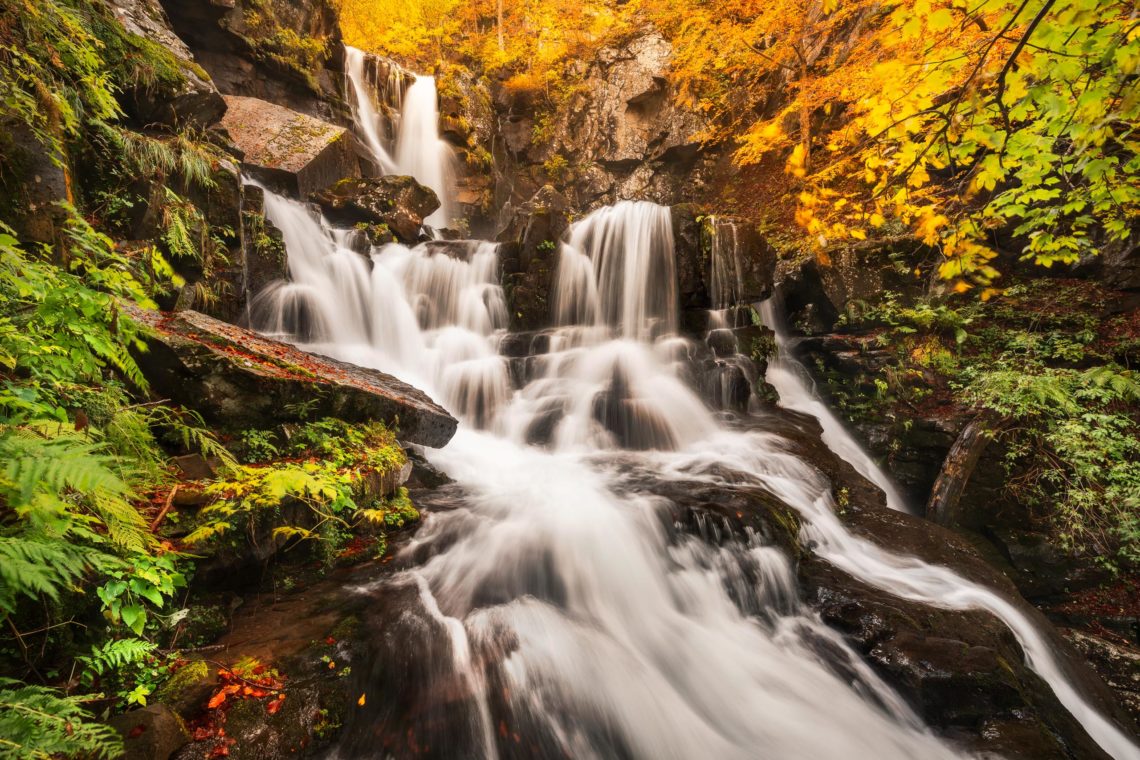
(137, 61)
(182, 685)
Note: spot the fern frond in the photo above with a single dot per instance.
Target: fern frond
(34, 463)
(41, 723)
(30, 567)
(113, 655)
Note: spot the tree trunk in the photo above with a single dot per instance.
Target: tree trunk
(943, 507)
(499, 21)
(805, 118)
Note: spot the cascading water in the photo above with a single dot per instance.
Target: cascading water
(419, 151)
(552, 610)
(621, 637)
(371, 125)
(791, 381)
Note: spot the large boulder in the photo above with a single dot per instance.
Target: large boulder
(399, 203)
(237, 379)
(287, 149)
(178, 91)
(150, 733)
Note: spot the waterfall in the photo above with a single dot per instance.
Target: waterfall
(571, 617)
(616, 268)
(625, 638)
(726, 286)
(793, 384)
(419, 151)
(371, 125)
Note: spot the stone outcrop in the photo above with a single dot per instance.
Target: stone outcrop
(180, 92)
(393, 203)
(722, 261)
(239, 379)
(283, 51)
(287, 149)
(619, 135)
(467, 121)
(150, 733)
(530, 236)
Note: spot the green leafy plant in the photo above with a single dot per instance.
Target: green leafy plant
(37, 722)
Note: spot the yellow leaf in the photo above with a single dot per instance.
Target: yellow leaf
(858, 234)
(877, 220)
(361, 700)
(961, 286)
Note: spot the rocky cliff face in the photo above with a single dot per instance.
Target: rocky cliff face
(289, 53)
(616, 133)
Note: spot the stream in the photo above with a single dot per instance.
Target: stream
(552, 608)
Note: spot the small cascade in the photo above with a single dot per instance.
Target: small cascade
(616, 269)
(370, 101)
(399, 127)
(794, 385)
(421, 153)
(726, 275)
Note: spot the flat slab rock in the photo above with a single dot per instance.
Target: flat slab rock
(237, 378)
(289, 149)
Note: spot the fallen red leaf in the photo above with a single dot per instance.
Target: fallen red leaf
(217, 699)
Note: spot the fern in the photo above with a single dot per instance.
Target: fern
(31, 567)
(40, 723)
(116, 655)
(191, 431)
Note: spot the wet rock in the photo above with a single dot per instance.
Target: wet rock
(393, 203)
(180, 92)
(1043, 570)
(692, 258)
(287, 149)
(152, 733)
(1117, 663)
(530, 236)
(188, 690)
(263, 246)
(742, 264)
(238, 378)
(962, 671)
(32, 185)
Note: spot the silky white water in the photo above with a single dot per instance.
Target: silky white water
(421, 153)
(627, 638)
(792, 383)
(371, 125)
(418, 151)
